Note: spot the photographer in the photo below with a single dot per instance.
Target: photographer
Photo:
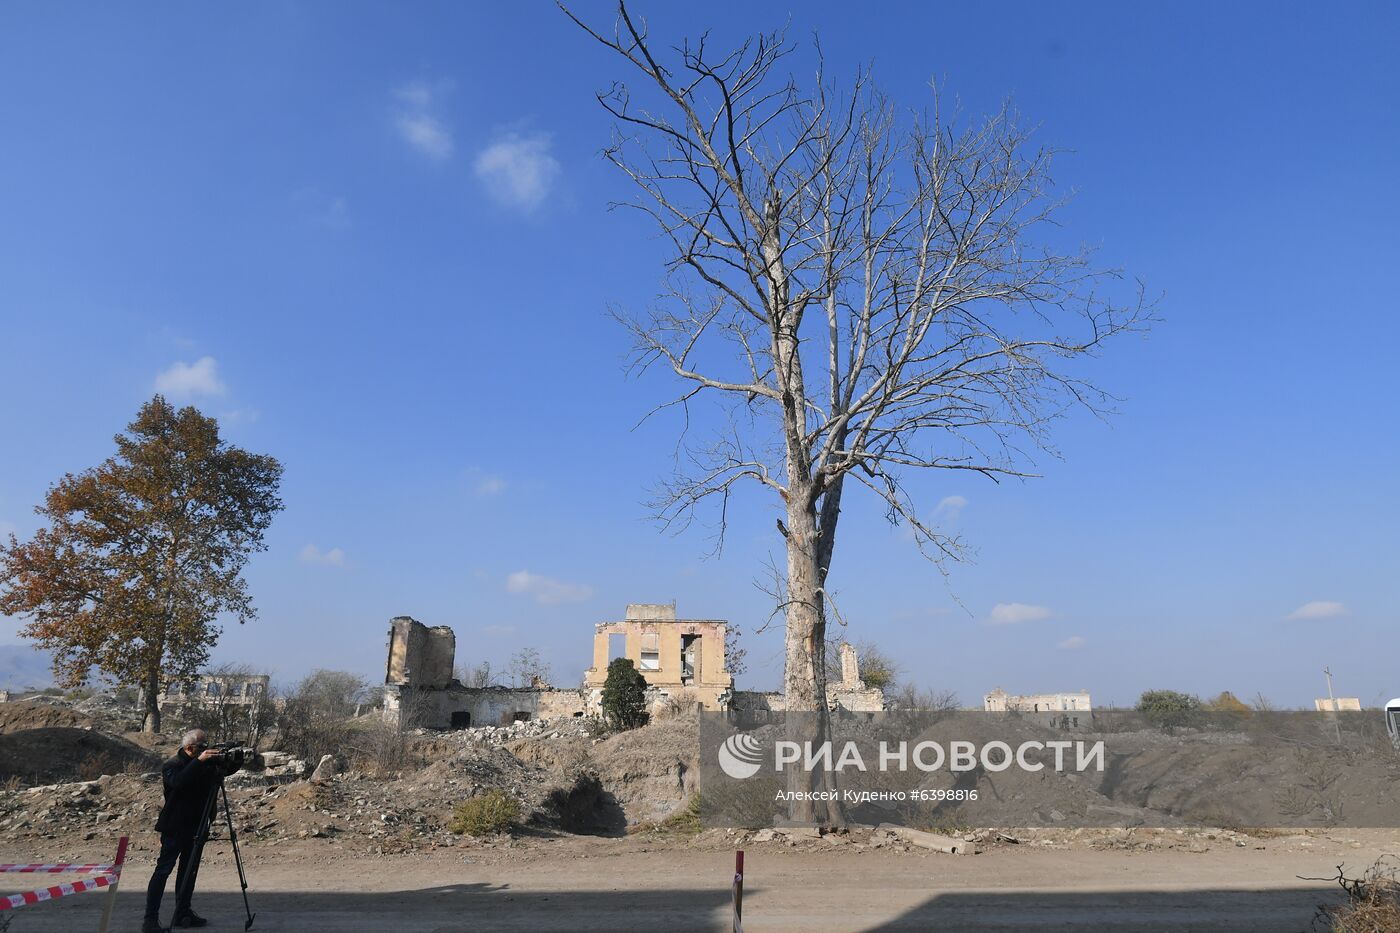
(190, 779)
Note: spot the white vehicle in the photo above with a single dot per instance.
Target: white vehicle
(1392, 721)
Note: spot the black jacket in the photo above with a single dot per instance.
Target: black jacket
(188, 783)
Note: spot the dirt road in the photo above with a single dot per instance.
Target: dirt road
(622, 884)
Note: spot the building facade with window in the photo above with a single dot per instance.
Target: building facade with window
(216, 690)
(673, 655)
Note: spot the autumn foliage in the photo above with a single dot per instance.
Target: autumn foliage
(143, 552)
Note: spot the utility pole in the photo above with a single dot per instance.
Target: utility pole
(1332, 702)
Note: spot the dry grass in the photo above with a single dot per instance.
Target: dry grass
(1373, 902)
(684, 822)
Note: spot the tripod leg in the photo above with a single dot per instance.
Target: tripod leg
(237, 858)
(184, 891)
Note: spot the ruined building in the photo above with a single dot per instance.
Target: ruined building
(420, 688)
(675, 656)
(682, 660)
(999, 701)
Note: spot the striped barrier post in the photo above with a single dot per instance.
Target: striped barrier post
(739, 891)
(112, 888)
(105, 875)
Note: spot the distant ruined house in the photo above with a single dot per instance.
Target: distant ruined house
(999, 701)
(216, 690)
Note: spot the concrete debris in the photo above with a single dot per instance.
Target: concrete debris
(936, 842)
(327, 768)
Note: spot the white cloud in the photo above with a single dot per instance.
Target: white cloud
(1318, 609)
(187, 380)
(311, 554)
(491, 486)
(486, 484)
(1071, 643)
(419, 124)
(518, 171)
(240, 416)
(426, 133)
(1013, 613)
(546, 591)
(950, 507)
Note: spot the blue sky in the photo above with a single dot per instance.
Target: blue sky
(374, 240)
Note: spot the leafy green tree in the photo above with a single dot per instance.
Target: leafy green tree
(142, 553)
(624, 695)
(1167, 709)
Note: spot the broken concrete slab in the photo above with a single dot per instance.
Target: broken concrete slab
(328, 768)
(936, 842)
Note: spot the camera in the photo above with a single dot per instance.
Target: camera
(237, 757)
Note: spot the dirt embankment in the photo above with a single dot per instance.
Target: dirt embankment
(565, 780)
(44, 743)
(20, 715)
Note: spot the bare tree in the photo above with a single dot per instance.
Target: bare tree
(528, 669)
(232, 707)
(475, 676)
(862, 293)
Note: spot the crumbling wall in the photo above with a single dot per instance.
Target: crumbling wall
(420, 656)
(850, 668)
(458, 707)
(999, 701)
(861, 700)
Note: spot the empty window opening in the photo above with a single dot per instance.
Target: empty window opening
(213, 689)
(520, 717)
(690, 658)
(617, 646)
(651, 652)
(461, 720)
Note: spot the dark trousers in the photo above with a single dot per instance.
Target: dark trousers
(172, 849)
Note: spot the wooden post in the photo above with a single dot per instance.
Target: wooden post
(112, 888)
(739, 891)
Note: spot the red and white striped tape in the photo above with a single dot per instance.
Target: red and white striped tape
(13, 901)
(59, 866)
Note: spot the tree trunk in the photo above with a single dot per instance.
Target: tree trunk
(804, 670)
(804, 674)
(151, 723)
(803, 680)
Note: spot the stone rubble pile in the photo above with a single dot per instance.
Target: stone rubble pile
(524, 729)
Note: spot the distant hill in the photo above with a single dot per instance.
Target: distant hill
(23, 667)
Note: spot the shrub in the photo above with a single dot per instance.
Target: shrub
(683, 703)
(1227, 702)
(624, 695)
(1167, 709)
(492, 812)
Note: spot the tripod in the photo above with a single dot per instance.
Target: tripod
(217, 793)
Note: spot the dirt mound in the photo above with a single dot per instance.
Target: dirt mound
(57, 754)
(651, 772)
(26, 714)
